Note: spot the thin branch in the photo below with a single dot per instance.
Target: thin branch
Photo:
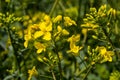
(45, 76)
(54, 6)
(87, 73)
(59, 65)
(82, 61)
(14, 49)
(54, 78)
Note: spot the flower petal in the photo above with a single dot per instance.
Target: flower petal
(47, 36)
(38, 34)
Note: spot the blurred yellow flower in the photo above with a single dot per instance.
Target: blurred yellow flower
(57, 19)
(69, 22)
(73, 48)
(106, 55)
(40, 47)
(44, 31)
(32, 72)
(74, 38)
(27, 37)
(60, 32)
(65, 32)
(90, 26)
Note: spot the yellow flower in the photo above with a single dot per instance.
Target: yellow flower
(84, 31)
(44, 31)
(27, 37)
(90, 26)
(47, 19)
(73, 48)
(32, 73)
(63, 31)
(106, 55)
(40, 47)
(74, 38)
(57, 19)
(69, 22)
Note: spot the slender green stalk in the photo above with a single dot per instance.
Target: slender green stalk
(82, 61)
(87, 73)
(14, 49)
(62, 6)
(54, 6)
(59, 65)
(45, 76)
(87, 68)
(54, 78)
(108, 38)
(84, 69)
(59, 61)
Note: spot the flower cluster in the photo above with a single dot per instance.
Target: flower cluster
(96, 19)
(49, 30)
(104, 54)
(100, 54)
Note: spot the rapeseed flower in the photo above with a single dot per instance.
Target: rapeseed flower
(61, 31)
(74, 38)
(105, 55)
(73, 48)
(57, 19)
(44, 31)
(40, 47)
(69, 22)
(27, 37)
(32, 73)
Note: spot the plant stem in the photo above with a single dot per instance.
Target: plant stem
(62, 6)
(45, 76)
(54, 78)
(59, 65)
(108, 38)
(59, 61)
(87, 72)
(54, 6)
(85, 69)
(14, 49)
(82, 61)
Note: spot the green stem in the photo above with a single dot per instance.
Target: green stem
(59, 65)
(54, 6)
(108, 38)
(59, 61)
(87, 68)
(45, 76)
(62, 6)
(87, 73)
(54, 78)
(82, 61)
(14, 49)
